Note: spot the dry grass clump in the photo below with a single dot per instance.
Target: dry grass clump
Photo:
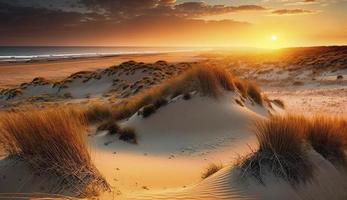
(98, 112)
(148, 110)
(52, 142)
(128, 134)
(109, 125)
(160, 102)
(254, 92)
(211, 169)
(327, 135)
(281, 150)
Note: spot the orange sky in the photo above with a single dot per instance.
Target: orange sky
(246, 23)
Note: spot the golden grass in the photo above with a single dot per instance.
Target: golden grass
(328, 135)
(211, 169)
(281, 150)
(208, 81)
(98, 112)
(52, 142)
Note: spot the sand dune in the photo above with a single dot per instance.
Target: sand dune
(209, 120)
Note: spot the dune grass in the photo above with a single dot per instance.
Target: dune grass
(109, 125)
(52, 142)
(327, 135)
(97, 112)
(211, 169)
(284, 141)
(281, 150)
(128, 134)
(208, 81)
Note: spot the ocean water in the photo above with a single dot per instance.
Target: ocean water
(27, 53)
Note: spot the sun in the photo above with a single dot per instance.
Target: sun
(274, 37)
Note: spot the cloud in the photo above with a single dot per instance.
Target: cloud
(144, 23)
(291, 12)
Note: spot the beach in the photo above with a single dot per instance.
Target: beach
(14, 73)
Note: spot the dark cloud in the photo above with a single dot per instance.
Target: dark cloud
(40, 20)
(291, 11)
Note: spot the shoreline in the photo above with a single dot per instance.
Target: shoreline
(15, 73)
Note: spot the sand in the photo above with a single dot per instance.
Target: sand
(178, 141)
(12, 74)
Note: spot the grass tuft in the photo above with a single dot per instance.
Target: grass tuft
(52, 141)
(211, 169)
(97, 113)
(148, 110)
(109, 125)
(281, 150)
(128, 134)
(327, 136)
(254, 92)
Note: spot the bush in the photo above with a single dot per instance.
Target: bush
(110, 125)
(148, 110)
(128, 135)
(52, 141)
(211, 169)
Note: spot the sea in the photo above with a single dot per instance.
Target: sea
(28, 53)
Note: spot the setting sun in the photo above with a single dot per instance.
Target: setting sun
(274, 37)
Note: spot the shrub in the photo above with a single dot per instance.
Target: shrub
(211, 169)
(128, 134)
(52, 141)
(281, 150)
(148, 110)
(98, 112)
(109, 125)
(326, 135)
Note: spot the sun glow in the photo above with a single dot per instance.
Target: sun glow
(274, 37)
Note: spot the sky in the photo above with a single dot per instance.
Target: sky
(225, 23)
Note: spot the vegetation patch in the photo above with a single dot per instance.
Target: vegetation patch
(109, 125)
(52, 142)
(211, 169)
(281, 150)
(97, 112)
(128, 134)
(327, 135)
